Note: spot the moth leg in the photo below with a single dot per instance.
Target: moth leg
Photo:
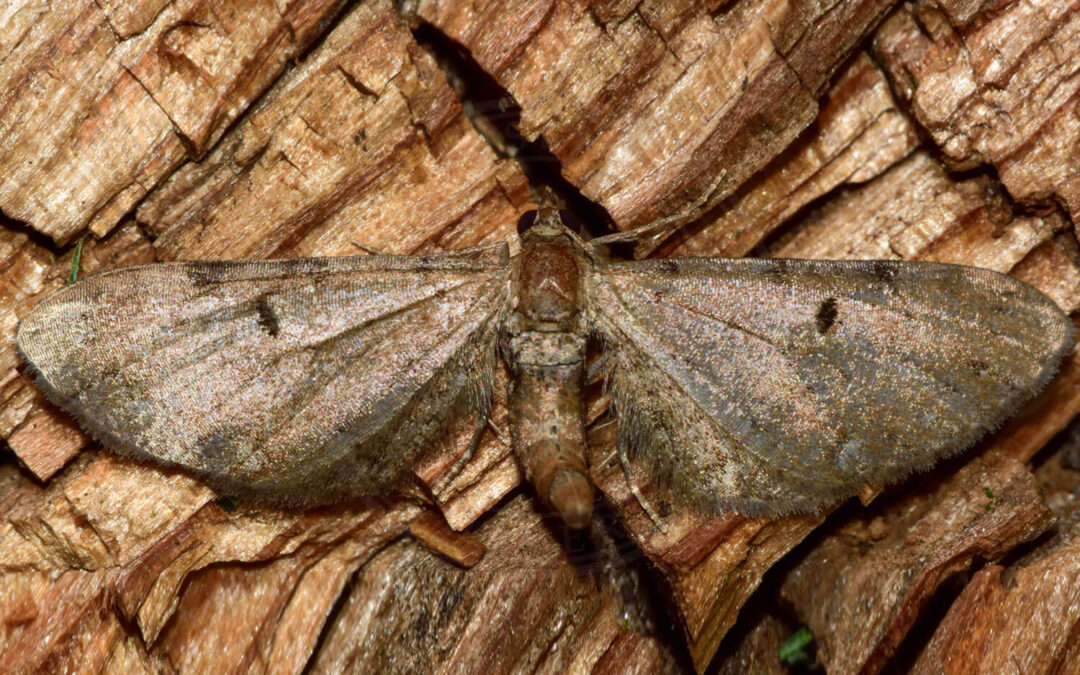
(459, 465)
(624, 461)
(498, 433)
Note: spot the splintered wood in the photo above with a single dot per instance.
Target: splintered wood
(1000, 88)
(1022, 616)
(647, 106)
(362, 147)
(103, 101)
(859, 132)
(188, 129)
(525, 607)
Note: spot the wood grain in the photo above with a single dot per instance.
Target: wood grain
(998, 87)
(102, 101)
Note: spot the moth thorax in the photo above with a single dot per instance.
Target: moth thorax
(547, 349)
(548, 282)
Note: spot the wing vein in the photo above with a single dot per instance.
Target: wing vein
(676, 384)
(300, 405)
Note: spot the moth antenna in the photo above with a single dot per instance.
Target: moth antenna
(624, 461)
(647, 237)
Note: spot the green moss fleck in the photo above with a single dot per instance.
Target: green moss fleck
(76, 260)
(793, 651)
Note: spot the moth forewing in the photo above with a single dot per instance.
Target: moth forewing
(780, 386)
(294, 381)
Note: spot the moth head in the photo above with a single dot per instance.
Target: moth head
(548, 220)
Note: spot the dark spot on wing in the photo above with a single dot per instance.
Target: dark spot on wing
(207, 273)
(826, 315)
(448, 603)
(777, 269)
(304, 265)
(667, 266)
(883, 271)
(217, 449)
(979, 367)
(268, 318)
(842, 435)
(427, 262)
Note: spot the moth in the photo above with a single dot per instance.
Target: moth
(766, 386)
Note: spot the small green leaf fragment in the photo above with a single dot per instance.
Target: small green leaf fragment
(793, 651)
(988, 492)
(76, 260)
(227, 504)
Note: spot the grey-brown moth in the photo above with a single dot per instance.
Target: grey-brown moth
(763, 386)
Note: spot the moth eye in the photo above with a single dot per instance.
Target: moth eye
(526, 220)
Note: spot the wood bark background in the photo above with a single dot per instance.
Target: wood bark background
(937, 129)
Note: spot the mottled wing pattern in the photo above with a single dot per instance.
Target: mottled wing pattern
(780, 386)
(299, 381)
